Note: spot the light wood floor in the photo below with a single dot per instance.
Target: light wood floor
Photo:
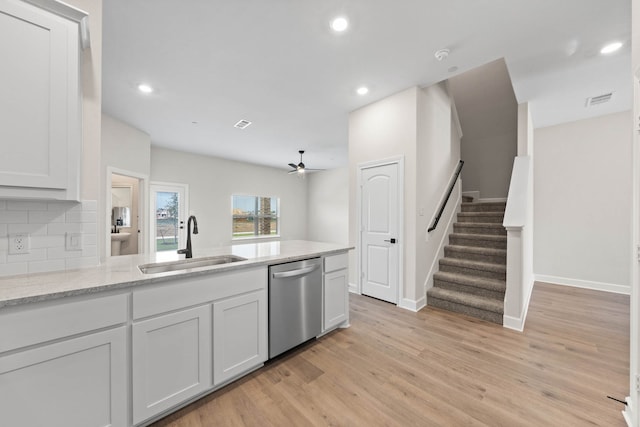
(434, 368)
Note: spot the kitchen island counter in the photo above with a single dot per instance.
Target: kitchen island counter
(122, 272)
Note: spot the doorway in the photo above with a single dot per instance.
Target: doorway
(168, 216)
(380, 213)
(125, 212)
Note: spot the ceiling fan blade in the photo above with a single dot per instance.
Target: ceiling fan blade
(293, 171)
(293, 166)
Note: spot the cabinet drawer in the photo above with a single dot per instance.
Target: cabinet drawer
(336, 262)
(189, 292)
(41, 323)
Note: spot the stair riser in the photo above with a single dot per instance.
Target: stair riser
(493, 219)
(483, 207)
(460, 241)
(472, 290)
(461, 228)
(473, 272)
(494, 259)
(488, 316)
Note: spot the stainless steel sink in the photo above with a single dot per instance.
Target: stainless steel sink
(184, 264)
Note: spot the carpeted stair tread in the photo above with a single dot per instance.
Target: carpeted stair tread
(487, 316)
(473, 281)
(480, 240)
(479, 228)
(475, 265)
(481, 217)
(473, 268)
(474, 253)
(477, 250)
(475, 301)
(483, 206)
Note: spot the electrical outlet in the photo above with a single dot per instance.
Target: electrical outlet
(19, 244)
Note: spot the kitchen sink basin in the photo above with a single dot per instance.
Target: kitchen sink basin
(184, 264)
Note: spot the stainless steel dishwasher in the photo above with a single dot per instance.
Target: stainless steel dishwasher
(295, 304)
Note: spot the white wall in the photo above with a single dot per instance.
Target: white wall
(212, 181)
(582, 194)
(415, 124)
(632, 412)
(328, 206)
(381, 130)
(125, 147)
(488, 111)
(438, 154)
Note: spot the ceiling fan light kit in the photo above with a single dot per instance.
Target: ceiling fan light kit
(300, 168)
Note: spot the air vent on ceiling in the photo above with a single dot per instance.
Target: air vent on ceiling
(596, 100)
(242, 124)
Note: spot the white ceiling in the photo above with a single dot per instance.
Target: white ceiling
(277, 64)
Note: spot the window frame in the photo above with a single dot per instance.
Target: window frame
(257, 216)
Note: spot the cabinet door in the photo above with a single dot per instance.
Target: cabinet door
(336, 299)
(78, 382)
(239, 335)
(39, 101)
(171, 360)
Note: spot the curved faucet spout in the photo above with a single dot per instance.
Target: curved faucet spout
(188, 253)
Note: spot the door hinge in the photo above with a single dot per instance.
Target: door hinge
(638, 252)
(638, 383)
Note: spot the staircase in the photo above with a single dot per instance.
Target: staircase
(473, 272)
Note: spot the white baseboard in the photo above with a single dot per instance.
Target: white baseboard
(353, 288)
(517, 323)
(586, 284)
(627, 414)
(412, 305)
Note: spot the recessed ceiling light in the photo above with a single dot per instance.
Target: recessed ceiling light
(611, 47)
(145, 88)
(362, 90)
(339, 24)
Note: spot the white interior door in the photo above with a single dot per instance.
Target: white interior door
(168, 217)
(379, 220)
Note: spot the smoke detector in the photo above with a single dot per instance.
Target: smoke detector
(442, 54)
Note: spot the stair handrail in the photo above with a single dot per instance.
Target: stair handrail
(452, 184)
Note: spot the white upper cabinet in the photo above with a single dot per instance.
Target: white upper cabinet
(40, 99)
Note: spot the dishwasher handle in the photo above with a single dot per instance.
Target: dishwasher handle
(295, 273)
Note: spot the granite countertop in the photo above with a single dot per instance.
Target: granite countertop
(122, 271)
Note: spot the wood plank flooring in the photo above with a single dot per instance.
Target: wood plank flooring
(393, 367)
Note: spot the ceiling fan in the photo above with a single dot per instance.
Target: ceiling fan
(300, 168)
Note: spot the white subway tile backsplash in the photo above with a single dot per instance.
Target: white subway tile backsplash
(44, 217)
(81, 217)
(20, 205)
(14, 217)
(33, 229)
(44, 266)
(90, 205)
(60, 206)
(38, 242)
(11, 269)
(47, 222)
(33, 255)
(72, 263)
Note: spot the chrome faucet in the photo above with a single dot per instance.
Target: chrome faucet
(188, 253)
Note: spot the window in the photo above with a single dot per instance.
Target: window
(255, 216)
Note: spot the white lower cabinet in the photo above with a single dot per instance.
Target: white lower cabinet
(336, 298)
(76, 382)
(239, 335)
(171, 360)
(335, 292)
